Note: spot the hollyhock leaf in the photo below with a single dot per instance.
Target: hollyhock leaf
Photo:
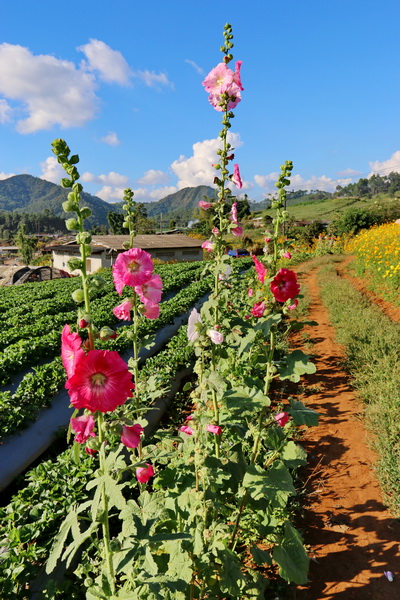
(275, 484)
(247, 342)
(236, 464)
(59, 541)
(264, 324)
(216, 381)
(298, 325)
(297, 364)
(301, 414)
(114, 492)
(291, 556)
(293, 455)
(244, 401)
(261, 557)
(275, 438)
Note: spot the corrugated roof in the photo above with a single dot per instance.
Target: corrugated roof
(115, 242)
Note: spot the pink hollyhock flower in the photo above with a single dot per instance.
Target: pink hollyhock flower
(237, 231)
(143, 474)
(150, 290)
(294, 305)
(250, 292)
(215, 336)
(186, 429)
(281, 418)
(233, 215)
(287, 255)
(192, 331)
(83, 427)
(284, 285)
(219, 79)
(151, 310)
(101, 381)
(205, 205)
(214, 429)
(261, 270)
(130, 436)
(189, 418)
(215, 231)
(236, 75)
(207, 245)
(236, 177)
(123, 310)
(90, 451)
(133, 267)
(234, 98)
(70, 349)
(258, 309)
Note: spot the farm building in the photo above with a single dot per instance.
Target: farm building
(105, 249)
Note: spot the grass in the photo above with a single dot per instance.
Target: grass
(372, 344)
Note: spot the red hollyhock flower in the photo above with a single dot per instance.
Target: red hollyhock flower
(101, 381)
(143, 474)
(83, 427)
(284, 285)
(131, 435)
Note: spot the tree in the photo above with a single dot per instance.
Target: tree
(115, 221)
(26, 245)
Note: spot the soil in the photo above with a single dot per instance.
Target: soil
(352, 538)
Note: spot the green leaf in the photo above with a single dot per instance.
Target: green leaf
(59, 541)
(302, 415)
(149, 563)
(275, 485)
(297, 364)
(247, 342)
(114, 493)
(265, 323)
(261, 557)
(297, 325)
(294, 455)
(216, 381)
(291, 556)
(244, 401)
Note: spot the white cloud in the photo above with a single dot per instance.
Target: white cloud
(387, 166)
(5, 111)
(52, 170)
(194, 65)
(198, 169)
(6, 175)
(111, 139)
(112, 179)
(152, 79)
(153, 177)
(349, 173)
(110, 64)
(297, 182)
(154, 195)
(110, 194)
(52, 91)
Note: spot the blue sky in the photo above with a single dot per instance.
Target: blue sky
(121, 83)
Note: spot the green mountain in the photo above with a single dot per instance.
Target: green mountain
(28, 194)
(180, 205)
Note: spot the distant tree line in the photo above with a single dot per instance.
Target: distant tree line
(33, 223)
(376, 184)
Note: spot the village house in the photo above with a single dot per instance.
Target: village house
(105, 249)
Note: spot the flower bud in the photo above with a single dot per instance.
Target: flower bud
(72, 224)
(69, 205)
(74, 263)
(78, 296)
(106, 333)
(84, 321)
(83, 238)
(85, 212)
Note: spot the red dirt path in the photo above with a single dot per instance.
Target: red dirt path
(352, 537)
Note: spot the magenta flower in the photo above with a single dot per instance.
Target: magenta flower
(294, 305)
(205, 205)
(215, 336)
(287, 255)
(284, 285)
(150, 290)
(207, 245)
(281, 418)
(216, 429)
(236, 75)
(192, 330)
(261, 270)
(83, 427)
(143, 474)
(215, 231)
(250, 292)
(186, 429)
(123, 310)
(151, 310)
(130, 436)
(189, 418)
(237, 231)
(70, 349)
(101, 381)
(258, 309)
(132, 268)
(233, 215)
(236, 177)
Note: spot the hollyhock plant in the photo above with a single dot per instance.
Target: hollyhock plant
(216, 429)
(151, 310)
(101, 381)
(83, 427)
(215, 231)
(294, 305)
(205, 205)
(143, 474)
(250, 292)
(233, 215)
(70, 349)
(281, 418)
(219, 79)
(150, 290)
(225, 274)
(284, 285)
(261, 270)
(192, 330)
(123, 310)
(237, 231)
(236, 177)
(130, 435)
(215, 336)
(207, 245)
(287, 255)
(133, 267)
(258, 309)
(236, 75)
(186, 429)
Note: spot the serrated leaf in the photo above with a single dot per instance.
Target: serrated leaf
(149, 563)
(114, 493)
(294, 455)
(296, 364)
(244, 401)
(59, 541)
(261, 557)
(247, 342)
(302, 415)
(216, 381)
(265, 323)
(275, 484)
(291, 556)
